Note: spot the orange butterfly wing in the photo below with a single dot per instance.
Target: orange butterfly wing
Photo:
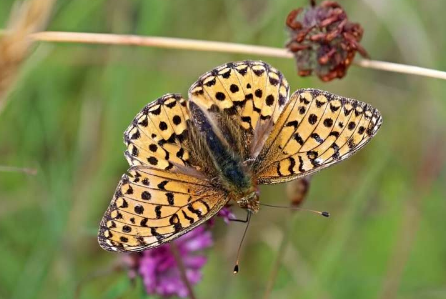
(164, 194)
(316, 129)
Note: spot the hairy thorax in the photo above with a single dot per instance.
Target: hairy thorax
(249, 201)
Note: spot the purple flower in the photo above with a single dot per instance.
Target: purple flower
(159, 270)
(226, 214)
(158, 267)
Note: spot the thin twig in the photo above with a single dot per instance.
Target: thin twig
(158, 42)
(30, 171)
(211, 46)
(182, 268)
(400, 68)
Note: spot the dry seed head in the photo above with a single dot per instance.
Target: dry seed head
(323, 40)
(25, 18)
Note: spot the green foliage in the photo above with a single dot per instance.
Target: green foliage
(73, 102)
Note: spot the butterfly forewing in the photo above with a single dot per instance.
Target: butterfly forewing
(152, 206)
(316, 130)
(251, 93)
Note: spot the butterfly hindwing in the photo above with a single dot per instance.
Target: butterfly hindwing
(316, 129)
(152, 206)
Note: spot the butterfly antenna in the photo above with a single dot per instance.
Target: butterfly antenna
(241, 242)
(325, 214)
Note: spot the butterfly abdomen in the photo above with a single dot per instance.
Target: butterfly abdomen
(228, 164)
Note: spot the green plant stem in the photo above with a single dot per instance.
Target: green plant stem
(297, 192)
(211, 46)
(278, 260)
(182, 268)
(115, 267)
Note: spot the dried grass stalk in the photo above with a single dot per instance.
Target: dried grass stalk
(25, 18)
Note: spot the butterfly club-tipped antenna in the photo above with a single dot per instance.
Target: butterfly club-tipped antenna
(322, 213)
(236, 267)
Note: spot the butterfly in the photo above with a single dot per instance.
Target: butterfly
(239, 128)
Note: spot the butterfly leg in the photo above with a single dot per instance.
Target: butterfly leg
(241, 220)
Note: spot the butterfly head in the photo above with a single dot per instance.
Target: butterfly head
(250, 200)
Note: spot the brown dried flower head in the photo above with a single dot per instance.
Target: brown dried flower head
(323, 40)
(297, 190)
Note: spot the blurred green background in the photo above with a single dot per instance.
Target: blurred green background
(71, 104)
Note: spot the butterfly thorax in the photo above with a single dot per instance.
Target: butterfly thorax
(235, 177)
(249, 201)
(244, 191)
(232, 174)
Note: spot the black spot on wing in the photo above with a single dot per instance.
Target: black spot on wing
(156, 111)
(220, 96)
(234, 88)
(301, 164)
(158, 212)
(226, 75)
(312, 119)
(328, 122)
(176, 120)
(292, 164)
(195, 211)
(135, 151)
(269, 100)
(273, 81)
(135, 135)
(155, 233)
(144, 122)
(163, 126)
(146, 195)
(298, 139)
(162, 185)
(335, 134)
(258, 72)
(171, 104)
(139, 209)
(258, 93)
(191, 220)
(242, 71)
(316, 137)
(170, 198)
(282, 100)
(211, 82)
(293, 123)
